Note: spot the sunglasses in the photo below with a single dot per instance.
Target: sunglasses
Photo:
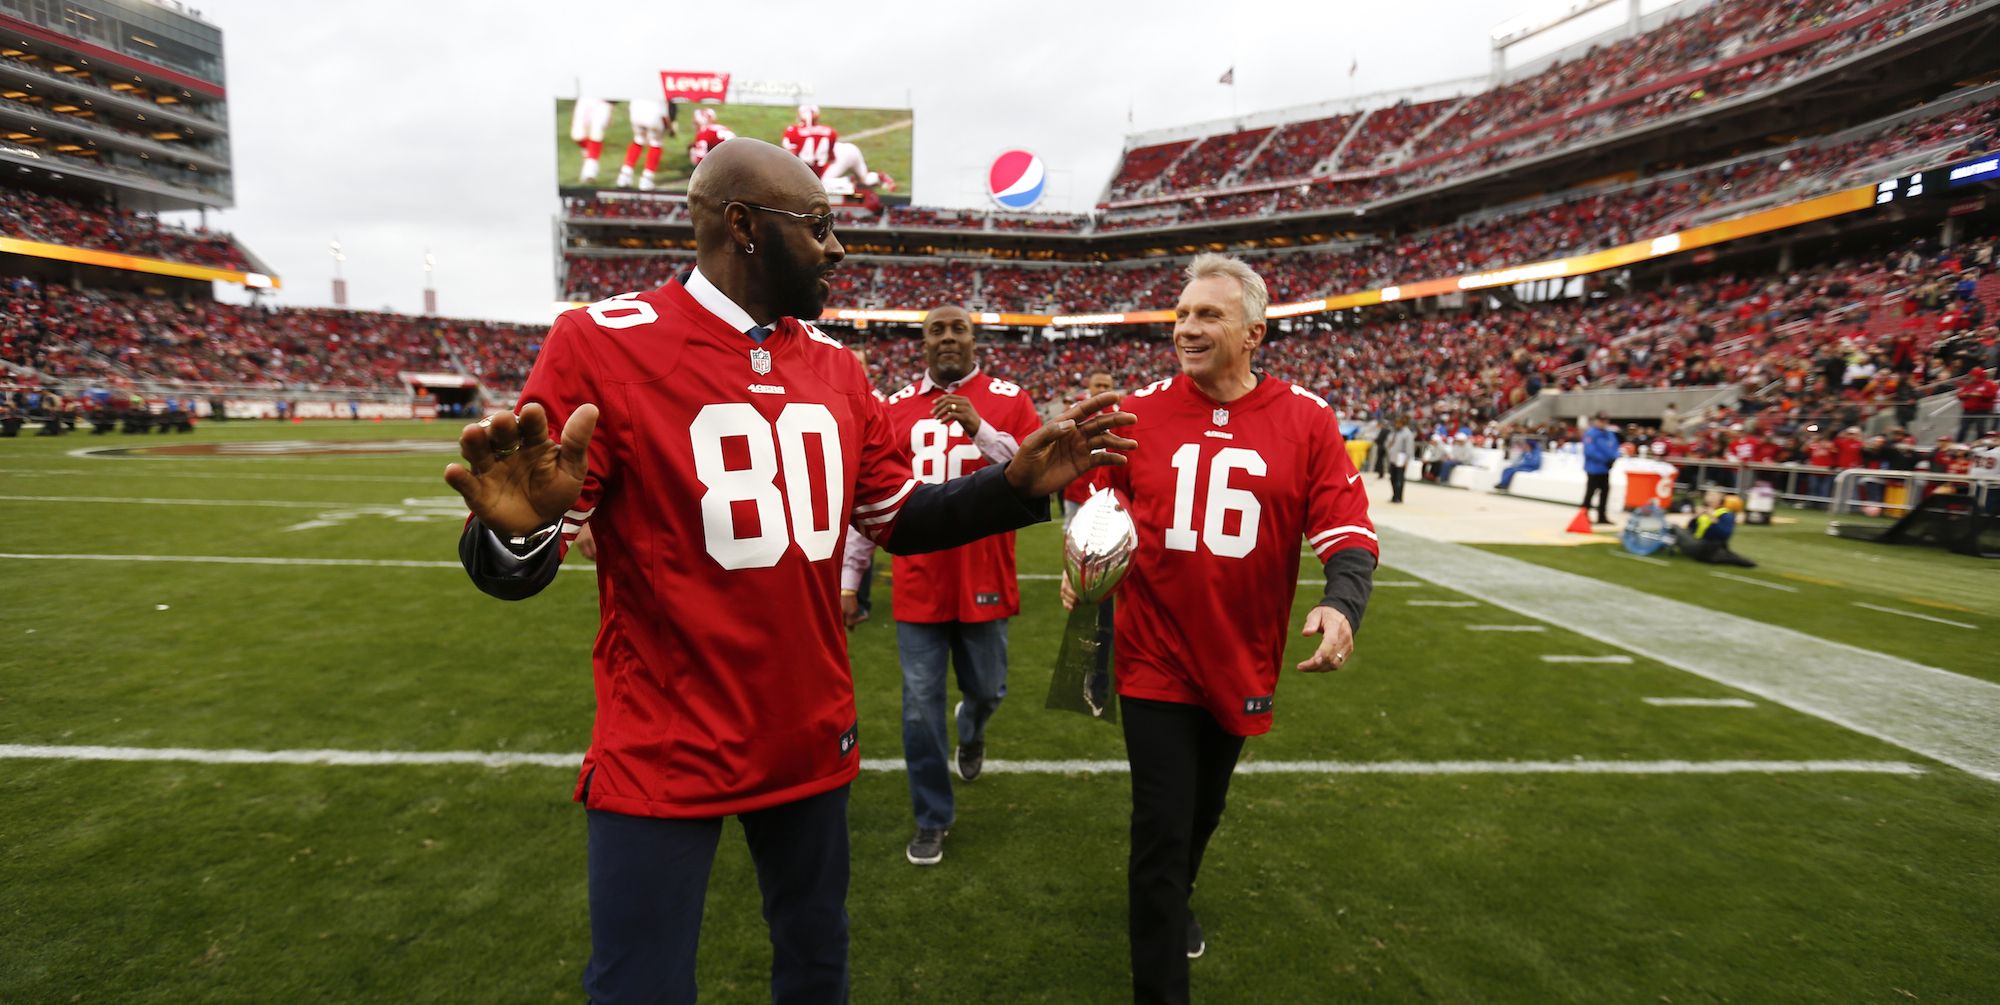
(822, 223)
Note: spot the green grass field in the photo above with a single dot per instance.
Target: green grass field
(184, 882)
(883, 134)
(1813, 582)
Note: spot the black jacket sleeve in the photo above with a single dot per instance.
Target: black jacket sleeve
(963, 510)
(1350, 578)
(475, 552)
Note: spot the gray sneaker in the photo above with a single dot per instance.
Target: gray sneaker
(927, 848)
(1196, 944)
(971, 760)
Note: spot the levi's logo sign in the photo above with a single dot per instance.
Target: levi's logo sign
(985, 599)
(1257, 706)
(848, 739)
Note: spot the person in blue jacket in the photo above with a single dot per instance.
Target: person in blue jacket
(1530, 459)
(1600, 451)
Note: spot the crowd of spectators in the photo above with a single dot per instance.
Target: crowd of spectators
(84, 336)
(1543, 230)
(1744, 46)
(83, 223)
(1297, 147)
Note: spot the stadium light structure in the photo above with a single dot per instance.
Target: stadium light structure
(430, 290)
(339, 281)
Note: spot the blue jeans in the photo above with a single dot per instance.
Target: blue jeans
(978, 653)
(1507, 474)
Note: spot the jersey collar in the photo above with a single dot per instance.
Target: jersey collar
(718, 303)
(926, 385)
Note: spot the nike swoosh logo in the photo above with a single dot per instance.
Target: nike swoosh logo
(1355, 477)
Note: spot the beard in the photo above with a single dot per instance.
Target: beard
(797, 283)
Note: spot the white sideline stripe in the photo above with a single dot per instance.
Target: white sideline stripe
(424, 479)
(1506, 628)
(506, 759)
(365, 563)
(1444, 603)
(1913, 614)
(1621, 553)
(1755, 582)
(1558, 658)
(1945, 716)
(125, 500)
(1701, 702)
(1399, 582)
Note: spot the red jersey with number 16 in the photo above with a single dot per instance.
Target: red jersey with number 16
(973, 582)
(723, 476)
(1222, 495)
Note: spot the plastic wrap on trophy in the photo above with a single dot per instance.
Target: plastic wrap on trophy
(1097, 550)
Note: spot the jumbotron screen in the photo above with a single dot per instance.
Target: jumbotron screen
(652, 145)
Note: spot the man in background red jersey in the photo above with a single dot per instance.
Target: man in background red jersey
(736, 443)
(1233, 469)
(1073, 497)
(951, 606)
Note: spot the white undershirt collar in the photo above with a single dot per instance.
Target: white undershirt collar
(718, 303)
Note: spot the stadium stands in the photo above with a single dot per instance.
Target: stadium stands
(77, 223)
(1712, 53)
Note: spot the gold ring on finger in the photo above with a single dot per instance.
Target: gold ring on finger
(508, 452)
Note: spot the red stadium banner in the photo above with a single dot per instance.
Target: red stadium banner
(695, 85)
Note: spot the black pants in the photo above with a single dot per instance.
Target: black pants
(1181, 764)
(1598, 485)
(648, 878)
(1396, 476)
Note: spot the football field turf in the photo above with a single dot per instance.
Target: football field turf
(1450, 818)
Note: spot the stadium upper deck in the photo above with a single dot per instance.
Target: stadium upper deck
(111, 111)
(1725, 79)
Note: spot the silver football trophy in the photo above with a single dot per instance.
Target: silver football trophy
(1097, 549)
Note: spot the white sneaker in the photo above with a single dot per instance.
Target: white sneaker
(646, 182)
(589, 172)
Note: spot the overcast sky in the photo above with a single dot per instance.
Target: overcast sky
(405, 124)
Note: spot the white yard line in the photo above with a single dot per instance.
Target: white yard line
(1755, 582)
(1506, 628)
(1701, 702)
(1399, 582)
(364, 563)
(1560, 658)
(1444, 603)
(1948, 716)
(505, 759)
(1913, 614)
(128, 500)
(426, 480)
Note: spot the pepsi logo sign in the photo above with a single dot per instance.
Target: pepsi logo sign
(1016, 180)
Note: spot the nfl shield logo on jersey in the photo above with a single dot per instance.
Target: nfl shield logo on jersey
(1221, 417)
(760, 360)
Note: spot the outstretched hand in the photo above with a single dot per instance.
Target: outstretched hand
(1070, 445)
(1336, 642)
(519, 480)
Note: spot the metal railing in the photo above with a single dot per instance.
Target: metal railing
(1867, 491)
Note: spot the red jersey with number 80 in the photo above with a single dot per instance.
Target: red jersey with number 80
(973, 582)
(723, 477)
(1222, 495)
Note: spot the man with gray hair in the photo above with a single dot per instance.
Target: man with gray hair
(1233, 470)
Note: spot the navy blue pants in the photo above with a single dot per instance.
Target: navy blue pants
(648, 878)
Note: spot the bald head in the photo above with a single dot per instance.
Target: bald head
(753, 206)
(751, 170)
